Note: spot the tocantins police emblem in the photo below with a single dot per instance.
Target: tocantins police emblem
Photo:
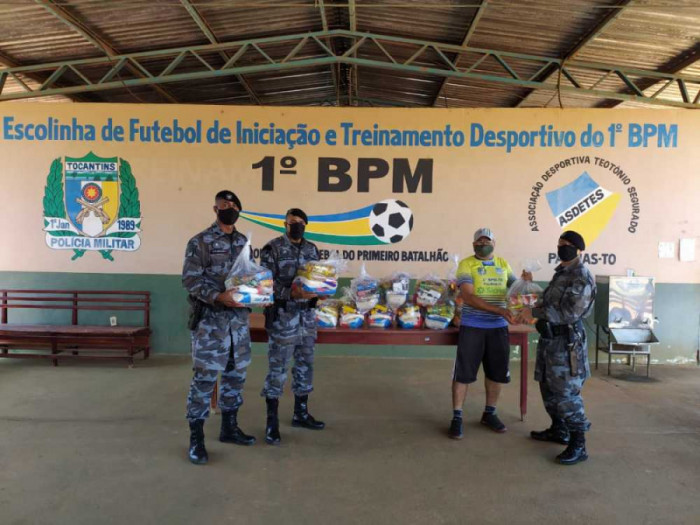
(92, 204)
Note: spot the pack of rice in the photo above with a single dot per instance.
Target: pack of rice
(380, 317)
(365, 291)
(429, 290)
(247, 282)
(440, 316)
(327, 313)
(320, 277)
(524, 293)
(396, 290)
(409, 317)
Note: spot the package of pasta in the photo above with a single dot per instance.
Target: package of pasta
(247, 282)
(524, 293)
(350, 317)
(396, 289)
(408, 316)
(440, 316)
(365, 291)
(429, 290)
(327, 314)
(380, 317)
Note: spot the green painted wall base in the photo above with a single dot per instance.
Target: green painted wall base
(677, 307)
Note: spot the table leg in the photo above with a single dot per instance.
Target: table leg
(524, 354)
(214, 397)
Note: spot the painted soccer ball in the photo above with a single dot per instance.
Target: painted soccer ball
(391, 221)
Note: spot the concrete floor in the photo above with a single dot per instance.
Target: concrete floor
(94, 443)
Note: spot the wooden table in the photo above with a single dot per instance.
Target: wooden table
(517, 335)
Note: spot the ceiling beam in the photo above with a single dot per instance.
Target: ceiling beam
(91, 36)
(355, 79)
(324, 24)
(613, 14)
(465, 42)
(673, 67)
(247, 57)
(209, 33)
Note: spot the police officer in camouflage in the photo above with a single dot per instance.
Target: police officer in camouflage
(562, 354)
(291, 326)
(220, 328)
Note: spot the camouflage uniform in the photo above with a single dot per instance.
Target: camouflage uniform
(566, 301)
(293, 328)
(221, 341)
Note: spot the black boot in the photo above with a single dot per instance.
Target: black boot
(272, 429)
(557, 433)
(576, 451)
(230, 431)
(198, 454)
(302, 418)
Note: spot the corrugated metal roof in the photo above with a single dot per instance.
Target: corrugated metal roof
(654, 35)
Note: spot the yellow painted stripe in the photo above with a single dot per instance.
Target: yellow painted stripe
(354, 227)
(591, 224)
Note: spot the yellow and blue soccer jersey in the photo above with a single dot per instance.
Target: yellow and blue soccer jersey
(491, 279)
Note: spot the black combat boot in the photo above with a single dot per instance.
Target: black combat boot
(302, 418)
(230, 432)
(576, 451)
(198, 454)
(557, 433)
(272, 429)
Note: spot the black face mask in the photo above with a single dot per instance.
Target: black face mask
(567, 253)
(228, 216)
(296, 230)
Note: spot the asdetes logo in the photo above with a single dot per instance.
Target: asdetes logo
(92, 204)
(387, 222)
(583, 204)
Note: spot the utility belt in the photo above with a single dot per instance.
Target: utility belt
(550, 330)
(573, 334)
(281, 304)
(199, 308)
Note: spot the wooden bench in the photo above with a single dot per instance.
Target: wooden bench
(71, 339)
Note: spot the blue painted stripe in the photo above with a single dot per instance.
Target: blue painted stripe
(564, 198)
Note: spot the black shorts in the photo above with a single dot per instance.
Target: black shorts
(487, 345)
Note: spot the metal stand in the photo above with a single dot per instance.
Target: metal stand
(611, 348)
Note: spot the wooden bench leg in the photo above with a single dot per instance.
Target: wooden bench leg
(147, 352)
(54, 351)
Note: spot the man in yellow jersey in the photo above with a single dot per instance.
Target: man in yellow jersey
(483, 281)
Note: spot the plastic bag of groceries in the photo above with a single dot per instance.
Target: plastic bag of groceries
(247, 282)
(440, 316)
(429, 290)
(380, 317)
(327, 313)
(321, 277)
(348, 314)
(409, 317)
(396, 289)
(452, 287)
(365, 291)
(524, 293)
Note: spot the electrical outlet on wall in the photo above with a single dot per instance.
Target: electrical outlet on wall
(113, 321)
